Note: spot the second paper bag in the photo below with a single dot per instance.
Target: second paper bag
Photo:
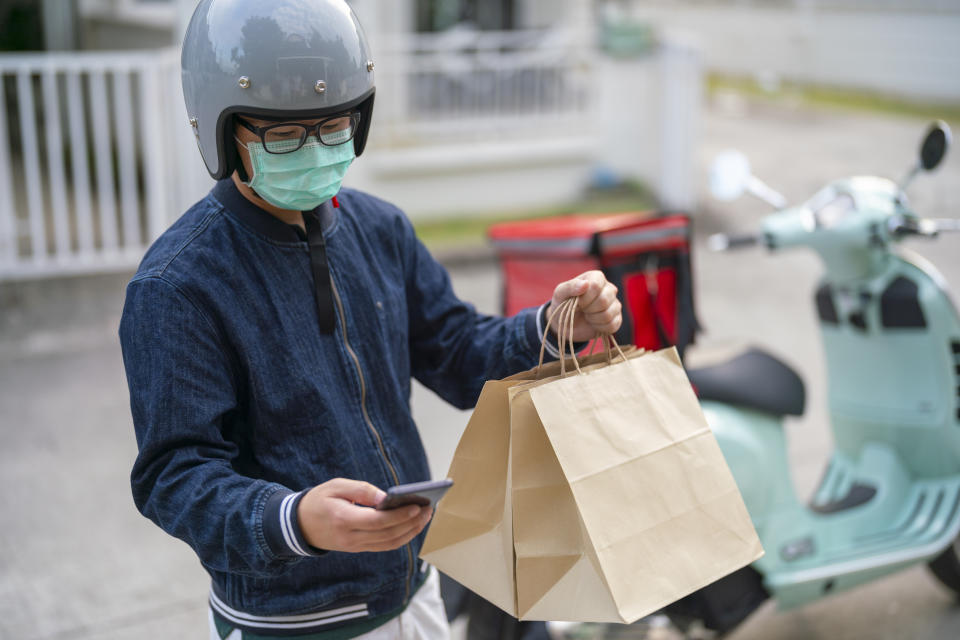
(622, 500)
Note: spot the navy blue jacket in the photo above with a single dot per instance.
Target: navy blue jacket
(240, 403)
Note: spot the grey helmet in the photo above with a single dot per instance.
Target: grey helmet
(272, 59)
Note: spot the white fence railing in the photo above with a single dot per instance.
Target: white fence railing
(462, 83)
(505, 107)
(96, 157)
(90, 162)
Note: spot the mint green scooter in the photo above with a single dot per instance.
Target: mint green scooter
(890, 497)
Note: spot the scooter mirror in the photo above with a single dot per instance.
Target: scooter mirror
(934, 145)
(729, 175)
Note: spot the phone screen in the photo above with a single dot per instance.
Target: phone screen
(420, 493)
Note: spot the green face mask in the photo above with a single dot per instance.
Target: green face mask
(303, 179)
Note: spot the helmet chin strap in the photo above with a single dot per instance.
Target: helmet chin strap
(242, 173)
(238, 161)
(244, 177)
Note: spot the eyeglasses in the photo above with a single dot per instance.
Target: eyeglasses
(287, 137)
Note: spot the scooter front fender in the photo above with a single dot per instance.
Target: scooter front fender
(754, 446)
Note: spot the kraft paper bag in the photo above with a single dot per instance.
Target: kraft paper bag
(653, 512)
(597, 494)
(471, 536)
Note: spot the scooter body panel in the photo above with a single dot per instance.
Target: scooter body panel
(908, 520)
(894, 370)
(810, 554)
(754, 448)
(890, 497)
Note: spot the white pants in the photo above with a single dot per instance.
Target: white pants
(423, 619)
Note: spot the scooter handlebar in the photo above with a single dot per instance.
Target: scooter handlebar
(945, 224)
(928, 227)
(724, 242)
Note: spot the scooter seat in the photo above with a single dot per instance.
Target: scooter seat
(753, 379)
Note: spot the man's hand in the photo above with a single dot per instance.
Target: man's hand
(331, 518)
(598, 310)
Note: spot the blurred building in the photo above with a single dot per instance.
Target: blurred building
(904, 48)
(482, 106)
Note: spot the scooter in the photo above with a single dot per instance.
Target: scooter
(890, 496)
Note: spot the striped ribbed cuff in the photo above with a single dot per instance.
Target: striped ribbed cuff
(281, 527)
(286, 625)
(552, 345)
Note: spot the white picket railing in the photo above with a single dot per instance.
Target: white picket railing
(461, 83)
(547, 97)
(97, 159)
(91, 161)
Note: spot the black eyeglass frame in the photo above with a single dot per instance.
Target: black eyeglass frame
(305, 131)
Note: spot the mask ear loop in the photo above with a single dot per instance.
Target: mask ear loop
(242, 170)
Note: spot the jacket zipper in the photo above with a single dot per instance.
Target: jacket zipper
(366, 417)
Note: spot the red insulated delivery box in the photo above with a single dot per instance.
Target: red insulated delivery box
(646, 255)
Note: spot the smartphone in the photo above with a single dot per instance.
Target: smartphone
(419, 493)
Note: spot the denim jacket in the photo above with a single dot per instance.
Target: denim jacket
(241, 404)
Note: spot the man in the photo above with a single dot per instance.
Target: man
(270, 335)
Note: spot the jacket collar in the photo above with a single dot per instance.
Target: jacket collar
(265, 223)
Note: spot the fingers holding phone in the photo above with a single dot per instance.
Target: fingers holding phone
(336, 516)
(386, 530)
(424, 494)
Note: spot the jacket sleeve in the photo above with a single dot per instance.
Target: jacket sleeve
(453, 348)
(182, 391)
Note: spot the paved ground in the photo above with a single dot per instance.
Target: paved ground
(77, 561)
